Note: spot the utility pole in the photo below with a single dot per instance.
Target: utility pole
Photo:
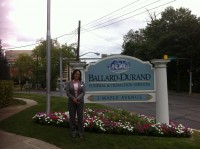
(190, 86)
(78, 46)
(48, 75)
(178, 76)
(61, 74)
(37, 72)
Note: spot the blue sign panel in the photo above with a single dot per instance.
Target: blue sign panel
(119, 73)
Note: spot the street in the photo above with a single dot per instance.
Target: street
(183, 109)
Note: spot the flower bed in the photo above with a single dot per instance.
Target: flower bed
(116, 122)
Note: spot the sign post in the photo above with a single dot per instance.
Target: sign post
(162, 109)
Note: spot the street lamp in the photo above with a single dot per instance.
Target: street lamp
(90, 52)
(89, 58)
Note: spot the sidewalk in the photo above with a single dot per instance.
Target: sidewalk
(13, 141)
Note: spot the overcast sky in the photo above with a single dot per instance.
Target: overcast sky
(23, 22)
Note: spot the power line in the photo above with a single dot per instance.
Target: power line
(38, 43)
(114, 12)
(72, 32)
(123, 15)
(111, 13)
(128, 17)
(21, 46)
(135, 6)
(68, 38)
(115, 18)
(105, 38)
(87, 30)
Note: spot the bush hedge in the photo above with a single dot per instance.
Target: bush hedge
(6, 92)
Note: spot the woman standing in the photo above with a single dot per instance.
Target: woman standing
(76, 91)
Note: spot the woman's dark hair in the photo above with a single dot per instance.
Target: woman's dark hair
(75, 72)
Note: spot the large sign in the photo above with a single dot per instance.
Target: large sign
(120, 78)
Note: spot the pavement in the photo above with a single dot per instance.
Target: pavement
(14, 141)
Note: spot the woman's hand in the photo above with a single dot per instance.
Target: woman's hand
(76, 101)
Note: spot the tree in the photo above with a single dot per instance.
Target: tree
(25, 66)
(135, 44)
(4, 68)
(177, 34)
(40, 64)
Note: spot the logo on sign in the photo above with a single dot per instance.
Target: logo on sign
(118, 65)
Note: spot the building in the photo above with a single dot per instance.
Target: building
(11, 56)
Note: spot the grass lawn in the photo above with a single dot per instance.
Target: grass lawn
(22, 124)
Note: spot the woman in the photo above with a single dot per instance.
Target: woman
(76, 91)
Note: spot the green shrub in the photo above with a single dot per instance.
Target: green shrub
(6, 92)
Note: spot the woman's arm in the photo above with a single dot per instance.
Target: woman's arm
(69, 94)
(81, 92)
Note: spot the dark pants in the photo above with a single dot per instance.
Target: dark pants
(73, 110)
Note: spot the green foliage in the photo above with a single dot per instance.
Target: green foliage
(6, 93)
(177, 34)
(25, 66)
(115, 122)
(4, 69)
(135, 45)
(40, 64)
